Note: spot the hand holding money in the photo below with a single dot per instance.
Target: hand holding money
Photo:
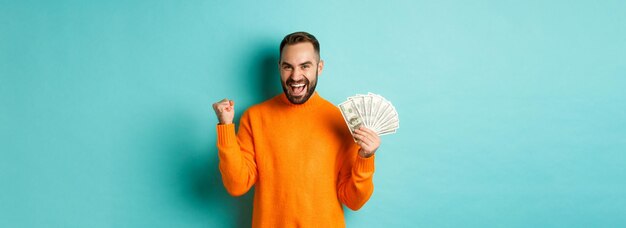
(225, 111)
(368, 140)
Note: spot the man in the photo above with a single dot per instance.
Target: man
(296, 149)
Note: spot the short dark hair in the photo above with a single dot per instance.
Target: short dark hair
(299, 37)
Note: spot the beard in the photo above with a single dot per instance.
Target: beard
(309, 85)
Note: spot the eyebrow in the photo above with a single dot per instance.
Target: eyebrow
(301, 64)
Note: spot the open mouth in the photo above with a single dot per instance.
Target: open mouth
(298, 89)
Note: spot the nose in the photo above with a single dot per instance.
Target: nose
(297, 74)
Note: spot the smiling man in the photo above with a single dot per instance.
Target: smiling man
(296, 149)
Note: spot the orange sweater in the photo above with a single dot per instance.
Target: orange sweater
(302, 159)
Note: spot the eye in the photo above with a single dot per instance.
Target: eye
(286, 67)
(306, 66)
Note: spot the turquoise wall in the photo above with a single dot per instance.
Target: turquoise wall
(512, 112)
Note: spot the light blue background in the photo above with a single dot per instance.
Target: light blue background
(512, 112)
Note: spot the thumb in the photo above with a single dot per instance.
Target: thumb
(231, 107)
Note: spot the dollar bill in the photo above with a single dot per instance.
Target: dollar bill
(351, 115)
(372, 111)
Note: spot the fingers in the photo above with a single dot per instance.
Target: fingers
(231, 106)
(362, 137)
(367, 139)
(224, 105)
(362, 144)
(368, 134)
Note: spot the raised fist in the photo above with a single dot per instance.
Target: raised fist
(225, 111)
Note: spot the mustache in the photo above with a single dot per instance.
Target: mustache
(291, 81)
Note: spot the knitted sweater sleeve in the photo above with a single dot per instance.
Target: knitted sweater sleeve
(355, 183)
(237, 164)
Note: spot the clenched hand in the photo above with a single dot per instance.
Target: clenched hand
(225, 111)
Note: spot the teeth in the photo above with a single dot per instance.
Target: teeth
(297, 85)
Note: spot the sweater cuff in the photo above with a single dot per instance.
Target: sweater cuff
(226, 135)
(364, 165)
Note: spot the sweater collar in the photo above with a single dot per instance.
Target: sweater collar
(314, 101)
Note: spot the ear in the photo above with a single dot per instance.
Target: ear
(320, 67)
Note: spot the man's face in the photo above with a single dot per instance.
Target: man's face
(299, 68)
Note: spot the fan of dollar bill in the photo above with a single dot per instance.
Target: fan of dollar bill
(372, 111)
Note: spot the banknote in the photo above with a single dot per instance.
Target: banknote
(372, 111)
(351, 115)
